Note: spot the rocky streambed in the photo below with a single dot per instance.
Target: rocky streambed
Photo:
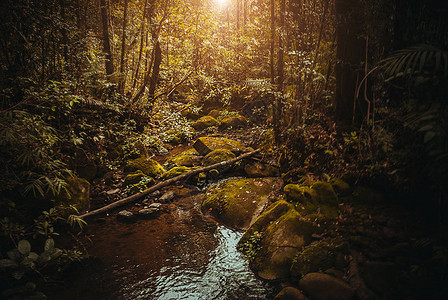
(258, 236)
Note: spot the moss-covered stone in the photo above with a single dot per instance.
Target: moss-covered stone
(300, 193)
(290, 293)
(321, 286)
(147, 165)
(234, 121)
(186, 158)
(176, 171)
(191, 114)
(214, 113)
(281, 241)
(175, 136)
(205, 122)
(237, 203)
(259, 169)
(318, 202)
(318, 256)
(217, 156)
(133, 178)
(205, 145)
(341, 187)
(325, 193)
(77, 199)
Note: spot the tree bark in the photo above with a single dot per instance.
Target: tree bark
(158, 186)
(155, 70)
(109, 62)
(123, 47)
(350, 52)
(280, 62)
(271, 57)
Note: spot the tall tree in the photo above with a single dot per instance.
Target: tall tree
(271, 57)
(109, 62)
(123, 48)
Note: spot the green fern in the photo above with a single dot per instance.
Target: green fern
(415, 60)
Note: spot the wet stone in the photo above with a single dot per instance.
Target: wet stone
(148, 213)
(155, 205)
(168, 196)
(125, 216)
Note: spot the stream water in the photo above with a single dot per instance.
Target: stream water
(179, 255)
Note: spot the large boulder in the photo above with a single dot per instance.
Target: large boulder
(321, 286)
(217, 156)
(145, 164)
(318, 256)
(318, 201)
(205, 145)
(238, 202)
(205, 122)
(234, 122)
(290, 293)
(186, 158)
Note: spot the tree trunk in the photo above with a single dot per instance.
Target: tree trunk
(106, 39)
(271, 58)
(155, 70)
(123, 48)
(350, 52)
(280, 62)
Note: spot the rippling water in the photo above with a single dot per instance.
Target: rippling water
(179, 255)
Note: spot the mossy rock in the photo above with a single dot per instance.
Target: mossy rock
(290, 293)
(205, 145)
(325, 192)
(259, 169)
(341, 187)
(217, 156)
(279, 245)
(133, 178)
(318, 256)
(78, 197)
(214, 113)
(191, 114)
(318, 202)
(299, 193)
(321, 286)
(238, 202)
(175, 136)
(205, 122)
(176, 171)
(186, 158)
(234, 122)
(147, 165)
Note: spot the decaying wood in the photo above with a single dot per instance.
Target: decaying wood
(165, 183)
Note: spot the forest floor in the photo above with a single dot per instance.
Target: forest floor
(377, 249)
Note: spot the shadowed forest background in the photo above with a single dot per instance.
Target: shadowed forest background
(329, 91)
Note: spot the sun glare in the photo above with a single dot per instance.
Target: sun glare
(221, 3)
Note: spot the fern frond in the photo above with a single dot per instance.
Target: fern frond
(415, 60)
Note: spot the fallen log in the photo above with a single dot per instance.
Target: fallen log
(165, 183)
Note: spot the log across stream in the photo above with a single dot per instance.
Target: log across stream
(181, 254)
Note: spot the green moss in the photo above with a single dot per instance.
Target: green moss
(259, 169)
(176, 171)
(300, 193)
(281, 241)
(147, 165)
(318, 256)
(340, 186)
(133, 178)
(325, 193)
(186, 158)
(234, 121)
(214, 113)
(175, 136)
(205, 122)
(217, 156)
(205, 145)
(235, 202)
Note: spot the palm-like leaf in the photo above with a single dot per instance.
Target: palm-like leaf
(414, 61)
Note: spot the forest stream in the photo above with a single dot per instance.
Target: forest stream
(180, 254)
